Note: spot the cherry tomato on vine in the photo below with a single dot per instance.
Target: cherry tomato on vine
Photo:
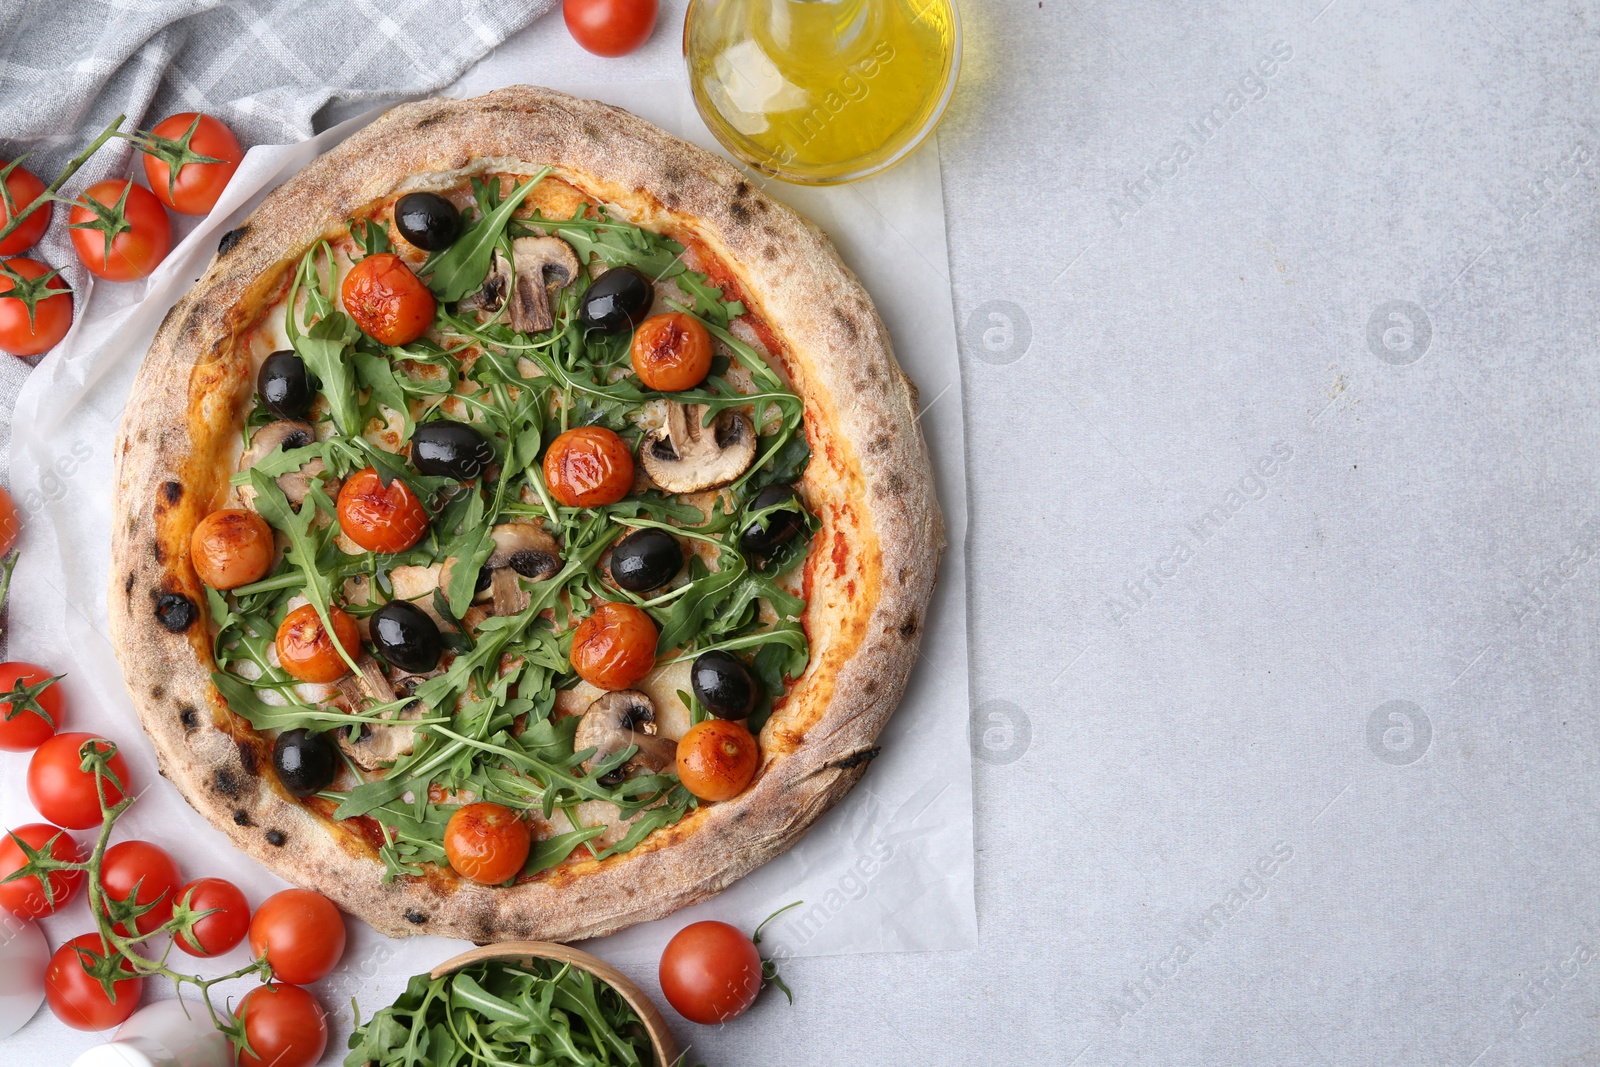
(380, 518)
(231, 547)
(62, 791)
(144, 872)
(26, 897)
(182, 142)
(717, 759)
(77, 998)
(710, 972)
(486, 843)
(31, 707)
(35, 307)
(285, 1026)
(615, 647)
(10, 525)
(22, 187)
(220, 931)
(306, 650)
(671, 352)
(120, 230)
(587, 467)
(300, 933)
(387, 300)
(610, 27)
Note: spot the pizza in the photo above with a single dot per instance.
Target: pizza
(523, 528)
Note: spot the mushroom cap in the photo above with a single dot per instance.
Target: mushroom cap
(542, 265)
(290, 433)
(684, 456)
(491, 296)
(616, 721)
(525, 548)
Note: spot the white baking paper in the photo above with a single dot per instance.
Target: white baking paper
(890, 869)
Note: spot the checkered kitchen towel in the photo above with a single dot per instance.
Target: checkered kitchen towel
(68, 67)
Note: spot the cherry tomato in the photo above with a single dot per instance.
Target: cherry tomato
(37, 313)
(196, 187)
(307, 651)
(614, 647)
(31, 707)
(588, 467)
(77, 998)
(717, 759)
(388, 301)
(147, 873)
(285, 1026)
(710, 972)
(610, 27)
(300, 933)
(486, 843)
(231, 547)
(140, 232)
(62, 791)
(220, 931)
(25, 898)
(23, 187)
(671, 352)
(380, 518)
(10, 523)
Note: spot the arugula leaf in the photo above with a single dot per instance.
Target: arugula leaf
(461, 268)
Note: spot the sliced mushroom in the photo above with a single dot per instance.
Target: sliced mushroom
(296, 483)
(496, 284)
(520, 548)
(542, 265)
(684, 456)
(617, 721)
(377, 745)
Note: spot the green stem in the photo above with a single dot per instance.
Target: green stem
(49, 194)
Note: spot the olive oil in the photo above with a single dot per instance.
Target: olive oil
(822, 91)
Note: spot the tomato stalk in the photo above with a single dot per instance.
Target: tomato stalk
(49, 194)
(29, 290)
(176, 154)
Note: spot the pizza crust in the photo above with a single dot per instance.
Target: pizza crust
(870, 573)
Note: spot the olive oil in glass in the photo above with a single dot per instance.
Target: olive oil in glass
(822, 91)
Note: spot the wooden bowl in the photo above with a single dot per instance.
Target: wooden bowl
(666, 1049)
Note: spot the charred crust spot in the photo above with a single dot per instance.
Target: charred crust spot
(904, 575)
(189, 717)
(416, 918)
(846, 322)
(276, 838)
(895, 484)
(174, 611)
(249, 758)
(739, 212)
(878, 445)
(172, 491)
(672, 174)
(225, 783)
(592, 132)
(241, 817)
(158, 552)
(856, 759)
(741, 190)
(769, 252)
(431, 120)
(127, 586)
(908, 629)
(230, 239)
(869, 686)
(157, 692)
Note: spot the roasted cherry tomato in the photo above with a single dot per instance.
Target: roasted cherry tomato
(77, 998)
(717, 759)
(224, 927)
(300, 933)
(588, 467)
(671, 352)
(231, 547)
(378, 517)
(285, 1025)
(26, 897)
(10, 524)
(120, 230)
(146, 873)
(30, 706)
(62, 791)
(23, 187)
(486, 843)
(35, 307)
(173, 167)
(710, 972)
(614, 647)
(388, 301)
(610, 27)
(306, 650)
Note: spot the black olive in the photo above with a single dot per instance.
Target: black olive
(618, 300)
(450, 450)
(406, 636)
(427, 220)
(285, 385)
(723, 685)
(645, 559)
(761, 537)
(305, 762)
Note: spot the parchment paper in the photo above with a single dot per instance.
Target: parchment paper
(889, 870)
